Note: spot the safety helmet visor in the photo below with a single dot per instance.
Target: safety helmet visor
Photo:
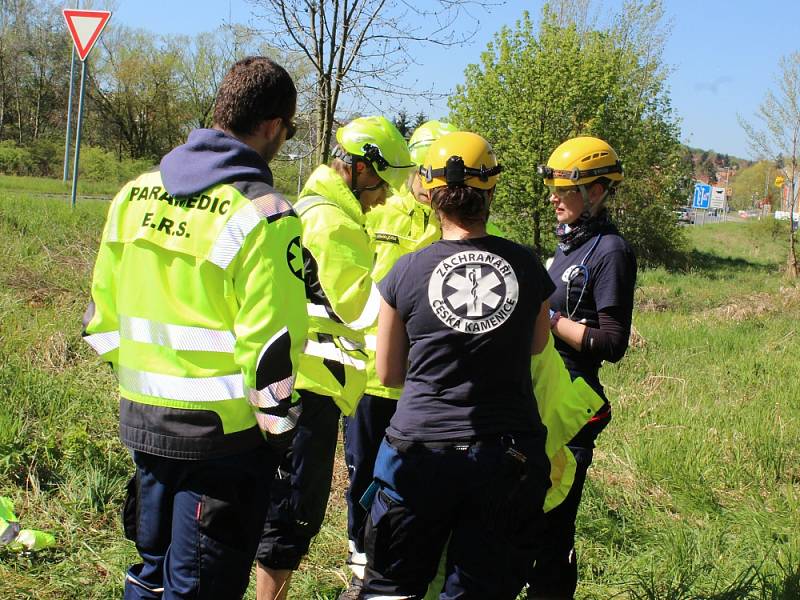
(562, 192)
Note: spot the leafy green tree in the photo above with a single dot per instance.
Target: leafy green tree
(34, 63)
(753, 184)
(709, 170)
(778, 137)
(536, 88)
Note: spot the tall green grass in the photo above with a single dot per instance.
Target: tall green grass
(695, 487)
(18, 185)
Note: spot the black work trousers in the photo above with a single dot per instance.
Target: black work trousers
(484, 498)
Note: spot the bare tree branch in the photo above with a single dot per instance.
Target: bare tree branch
(360, 49)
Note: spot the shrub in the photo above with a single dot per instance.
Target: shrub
(14, 160)
(97, 164)
(47, 158)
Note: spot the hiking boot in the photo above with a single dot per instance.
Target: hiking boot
(353, 591)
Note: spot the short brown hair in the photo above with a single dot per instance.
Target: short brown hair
(254, 90)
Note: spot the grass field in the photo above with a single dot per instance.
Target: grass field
(12, 185)
(695, 488)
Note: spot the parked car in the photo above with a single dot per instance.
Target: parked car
(685, 216)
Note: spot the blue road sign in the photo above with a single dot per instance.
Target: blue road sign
(702, 196)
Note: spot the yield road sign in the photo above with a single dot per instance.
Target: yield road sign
(85, 27)
(702, 196)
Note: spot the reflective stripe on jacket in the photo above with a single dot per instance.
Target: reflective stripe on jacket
(399, 227)
(199, 304)
(338, 258)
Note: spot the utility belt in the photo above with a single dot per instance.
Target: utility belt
(514, 464)
(513, 456)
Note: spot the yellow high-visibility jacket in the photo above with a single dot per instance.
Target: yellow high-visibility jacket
(199, 304)
(338, 259)
(565, 406)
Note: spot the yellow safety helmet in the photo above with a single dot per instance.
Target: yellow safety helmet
(460, 158)
(424, 136)
(579, 161)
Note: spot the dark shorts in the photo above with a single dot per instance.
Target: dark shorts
(481, 496)
(196, 524)
(302, 485)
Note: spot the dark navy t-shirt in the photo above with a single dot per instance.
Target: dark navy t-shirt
(469, 308)
(610, 264)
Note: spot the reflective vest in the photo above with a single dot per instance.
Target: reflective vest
(400, 226)
(338, 258)
(199, 304)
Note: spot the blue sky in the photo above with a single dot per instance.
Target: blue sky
(724, 53)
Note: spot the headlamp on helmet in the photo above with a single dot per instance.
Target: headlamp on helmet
(375, 141)
(576, 174)
(456, 172)
(458, 159)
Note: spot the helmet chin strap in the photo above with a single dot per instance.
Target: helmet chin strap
(354, 176)
(587, 204)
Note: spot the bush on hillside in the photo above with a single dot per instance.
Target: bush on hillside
(97, 164)
(15, 160)
(47, 158)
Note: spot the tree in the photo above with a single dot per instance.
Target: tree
(202, 63)
(358, 48)
(34, 62)
(419, 119)
(401, 122)
(709, 169)
(535, 89)
(134, 84)
(754, 183)
(778, 136)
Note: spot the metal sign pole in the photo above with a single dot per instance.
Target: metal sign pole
(69, 109)
(78, 134)
(69, 114)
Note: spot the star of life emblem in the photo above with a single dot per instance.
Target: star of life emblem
(473, 291)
